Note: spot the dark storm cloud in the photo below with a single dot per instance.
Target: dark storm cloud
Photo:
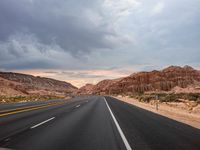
(30, 64)
(98, 34)
(53, 22)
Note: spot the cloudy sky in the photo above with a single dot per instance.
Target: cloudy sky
(84, 41)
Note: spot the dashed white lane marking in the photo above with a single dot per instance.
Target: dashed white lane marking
(42, 122)
(128, 147)
(6, 140)
(78, 106)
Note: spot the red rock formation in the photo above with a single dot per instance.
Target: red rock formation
(24, 84)
(163, 80)
(87, 89)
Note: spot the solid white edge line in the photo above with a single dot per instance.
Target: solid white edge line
(128, 147)
(42, 123)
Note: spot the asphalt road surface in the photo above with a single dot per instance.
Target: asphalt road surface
(91, 123)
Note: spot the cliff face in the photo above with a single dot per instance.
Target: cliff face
(21, 84)
(164, 80)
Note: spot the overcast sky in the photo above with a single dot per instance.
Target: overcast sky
(84, 41)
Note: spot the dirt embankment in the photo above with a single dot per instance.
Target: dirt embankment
(187, 112)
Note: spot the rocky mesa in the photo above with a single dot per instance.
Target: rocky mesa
(16, 84)
(172, 78)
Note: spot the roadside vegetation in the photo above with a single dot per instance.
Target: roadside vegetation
(167, 97)
(6, 99)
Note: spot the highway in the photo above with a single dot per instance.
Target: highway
(91, 123)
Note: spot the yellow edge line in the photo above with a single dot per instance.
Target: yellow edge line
(35, 108)
(20, 108)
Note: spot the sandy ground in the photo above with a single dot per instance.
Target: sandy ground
(178, 111)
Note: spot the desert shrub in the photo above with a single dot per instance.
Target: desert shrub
(166, 97)
(131, 96)
(163, 97)
(171, 98)
(189, 96)
(146, 98)
(198, 101)
(193, 96)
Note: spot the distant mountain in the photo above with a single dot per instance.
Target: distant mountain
(172, 78)
(87, 89)
(14, 84)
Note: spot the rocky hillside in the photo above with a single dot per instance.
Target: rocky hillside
(168, 79)
(87, 89)
(15, 84)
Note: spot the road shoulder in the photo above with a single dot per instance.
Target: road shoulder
(173, 113)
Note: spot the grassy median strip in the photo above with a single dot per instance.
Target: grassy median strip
(15, 111)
